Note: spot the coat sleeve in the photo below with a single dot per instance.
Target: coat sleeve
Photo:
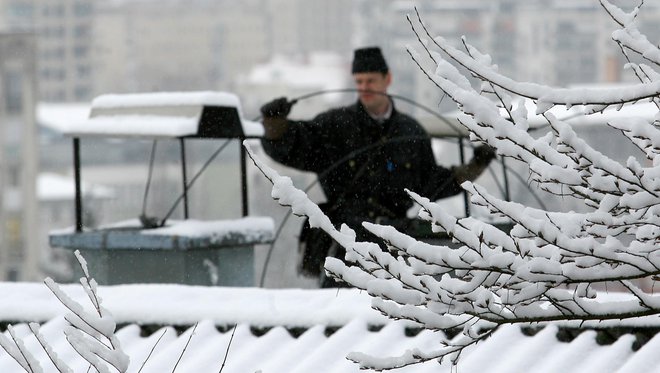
(303, 145)
(442, 184)
(438, 181)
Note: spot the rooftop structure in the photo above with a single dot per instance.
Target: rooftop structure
(158, 249)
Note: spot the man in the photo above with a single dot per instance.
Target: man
(365, 155)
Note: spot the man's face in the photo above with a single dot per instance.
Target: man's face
(372, 88)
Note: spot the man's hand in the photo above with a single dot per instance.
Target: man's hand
(483, 154)
(274, 117)
(278, 108)
(481, 157)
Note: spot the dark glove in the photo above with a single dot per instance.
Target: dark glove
(278, 108)
(483, 154)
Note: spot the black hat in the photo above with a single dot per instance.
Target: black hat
(369, 60)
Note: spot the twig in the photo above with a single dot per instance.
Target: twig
(34, 328)
(21, 349)
(152, 350)
(227, 351)
(185, 347)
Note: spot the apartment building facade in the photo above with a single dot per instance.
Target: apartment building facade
(63, 29)
(20, 253)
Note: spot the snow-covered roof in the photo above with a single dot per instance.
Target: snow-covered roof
(164, 114)
(161, 304)
(295, 330)
(59, 116)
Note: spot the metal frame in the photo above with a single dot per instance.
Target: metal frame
(77, 171)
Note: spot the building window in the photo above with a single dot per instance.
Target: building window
(14, 92)
(80, 51)
(14, 176)
(81, 31)
(21, 10)
(83, 71)
(53, 10)
(82, 9)
(82, 93)
(12, 275)
(13, 229)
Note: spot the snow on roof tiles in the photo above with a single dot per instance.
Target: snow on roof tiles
(202, 347)
(296, 330)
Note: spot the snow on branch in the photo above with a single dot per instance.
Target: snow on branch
(15, 347)
(550, 265)
(546, 97)
(91, 334)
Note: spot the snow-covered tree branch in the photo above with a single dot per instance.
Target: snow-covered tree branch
(551, 263)
(90, 334)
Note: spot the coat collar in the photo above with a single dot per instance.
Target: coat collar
(390, 113)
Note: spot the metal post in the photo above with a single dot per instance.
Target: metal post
(507, 192)
(76, 175)
(466, 199)
(184, 177)
(244, 186)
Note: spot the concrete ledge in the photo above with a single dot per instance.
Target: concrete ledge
(183, 252)
(177, 235)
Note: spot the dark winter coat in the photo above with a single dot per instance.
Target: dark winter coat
(363, 165)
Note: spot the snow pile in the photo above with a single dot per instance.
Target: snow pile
(162, 304)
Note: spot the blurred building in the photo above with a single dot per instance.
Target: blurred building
(64, 38)
(300, 27)
(82, 48)
(56, 195)
(20, 252)
(554, 42)
(144, 45)
(90, 47)
(318, 72)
